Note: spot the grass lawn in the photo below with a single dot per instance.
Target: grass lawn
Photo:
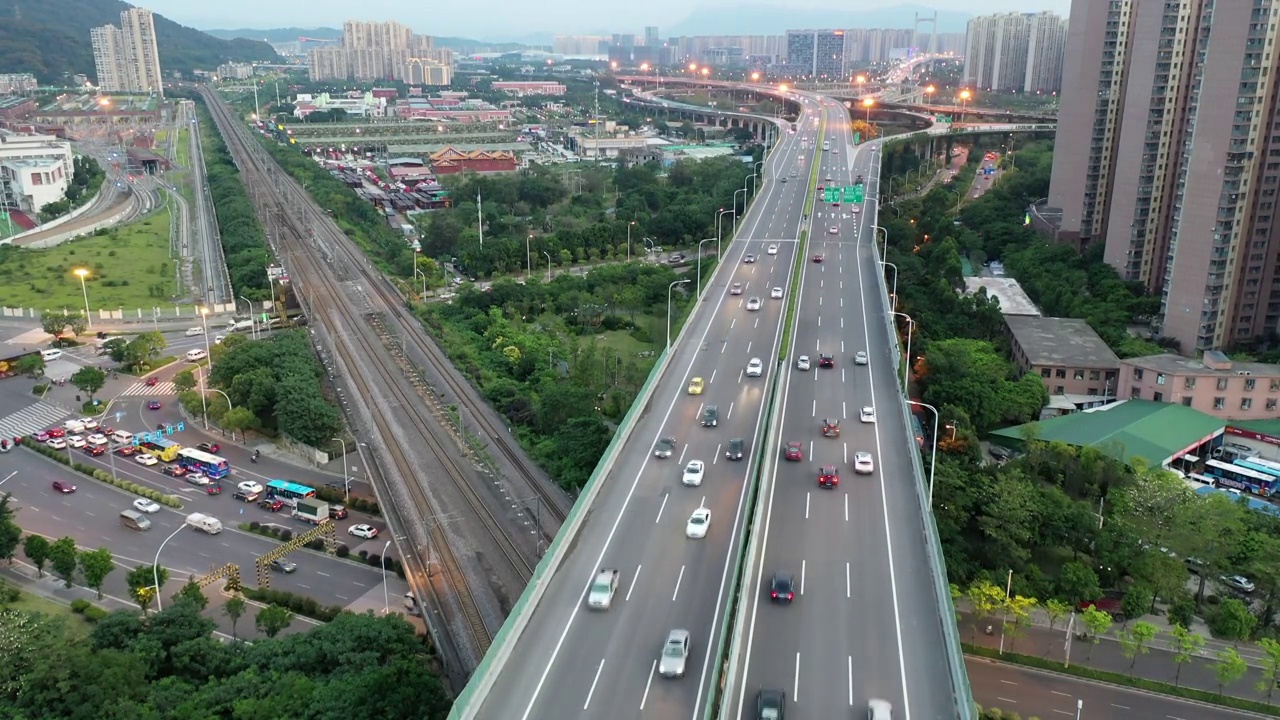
(129, 268)
(76, 624)
(160, 136)
(183, 156)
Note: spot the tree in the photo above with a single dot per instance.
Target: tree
(36, 548)
(1098, 623)
(63, 557)
(10, 533)
(1233, 621)
(1078, 583)
(1229, 668)
(273, 619)
(95, 565)
(78, 322)
(140, 351)
(985, 598)
(1055, 609)
(30, 365)
(1271, 668)
(90, 380)
(142, 584)
(185, 380)
(1186, 645)
(54, 323)
(1137, 601)
(237, 419)
(1134, 641)
(234, 609)
(1019, 609)
(191, 593)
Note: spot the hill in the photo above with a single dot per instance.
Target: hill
(769, 20)
(291, 34)
(51, 39)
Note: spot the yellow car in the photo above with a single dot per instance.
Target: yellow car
(695, 386)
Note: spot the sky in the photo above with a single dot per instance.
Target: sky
(496, 19)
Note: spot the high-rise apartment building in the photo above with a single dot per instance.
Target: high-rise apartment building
(127, 58)
(1168, 152)
(371, 51)
(1019, 52)
(816, 53)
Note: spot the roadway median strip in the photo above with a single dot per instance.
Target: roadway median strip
(802, 245)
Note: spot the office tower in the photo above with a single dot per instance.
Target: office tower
(126, 58)
(816, 53)
(1166, 153)
(371, 51)
(1020, 52)
(651, 37)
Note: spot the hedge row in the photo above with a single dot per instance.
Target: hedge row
(101, 475)
(334, 496)
(342, 551)
(298, 604)
(91, 612)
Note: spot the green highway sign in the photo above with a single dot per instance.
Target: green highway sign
(857, 195)
(853, 193)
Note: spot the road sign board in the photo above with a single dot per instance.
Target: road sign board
(859, 193)
(853, 193)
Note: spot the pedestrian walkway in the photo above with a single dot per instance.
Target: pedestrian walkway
(32, 418)
(141, 388)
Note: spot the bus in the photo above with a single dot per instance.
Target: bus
(163, 450)
(1270, 468)
(213, 467)
(289, 492)
(1239, 478)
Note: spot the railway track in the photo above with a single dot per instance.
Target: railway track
(358, 343)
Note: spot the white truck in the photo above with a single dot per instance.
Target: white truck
(600, 597)
(313, 511)
(205, 523)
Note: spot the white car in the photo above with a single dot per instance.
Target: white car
(89, 423)
(776, 293)
(755, 368)
(368, 532)
(192, 332)
(146, 506)
(736, 289)
(73, 426)
(802, 362)
(860, 358)
(867, 415)
(699, 521)
(773, 250)
(863, 464)
(75, 441)
(693, 472)
(146, 459)
(249, 487)
(753, 303)
(97, 439)
(217, 339)
(834, 230)
(56, 443)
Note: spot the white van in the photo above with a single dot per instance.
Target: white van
(122, 437)
(75, 427)
(50, 354)
(197, 354)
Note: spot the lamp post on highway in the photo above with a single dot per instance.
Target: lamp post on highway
(868, 103)
(629, 226)
(735, 205)
(720, 229)
(933, 456)
(417, 272)
(649, 242)
(671, 287)
(1079, 707)
(253, 327)
(528, 259)
(83, 273)
(544, 252)
(886, 238)
(893, 295)
(964, 102)
(155, 566)
(386, 600)
(346, 479)
(228, 399)
(699, 285)
(906, 367)
(204, 402)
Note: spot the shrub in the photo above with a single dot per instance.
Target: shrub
(39, 389)
(93, 613)
(9, 593)
(286, 535)
(374, 559)
(80, 605)
(255, 526)
(343, 551)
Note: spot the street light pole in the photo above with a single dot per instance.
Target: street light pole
(82, 274)
(906, 367)
(155, 566)
(629, 226)
(346, 481)
(893, 296)
(204, 401)
(1079, 707)
(544, 252)
(874, 228)
(671, 287)
(698, 294)
(933, 456)
(417, 272)
(386, 599)
(719, 229)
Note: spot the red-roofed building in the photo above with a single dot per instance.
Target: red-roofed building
(451, 160)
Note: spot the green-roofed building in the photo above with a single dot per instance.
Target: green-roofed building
(1157, 432)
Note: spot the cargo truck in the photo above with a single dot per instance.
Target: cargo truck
(204, 523)
(313, 511)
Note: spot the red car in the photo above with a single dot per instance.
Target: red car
(63, 487)
(176, 471)
(794, 451)
(828, 477)
(271, 504)
(825, 360)
(57, 432)
(95, 450)
(209, 447)
(151, 381)
(213, 489)
(126, 450)
(818, 258)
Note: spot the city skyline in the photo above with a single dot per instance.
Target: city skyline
(496, 20)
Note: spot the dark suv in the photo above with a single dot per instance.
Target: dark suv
(711, 416)
(782, 588)
(735, 449)
(771, 704)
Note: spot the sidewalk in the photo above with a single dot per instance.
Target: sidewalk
(1158, 664)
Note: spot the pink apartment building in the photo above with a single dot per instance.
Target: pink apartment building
(1215, 385)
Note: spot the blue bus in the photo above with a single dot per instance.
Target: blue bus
(1257, 464)
(289, 492)
(213, 467)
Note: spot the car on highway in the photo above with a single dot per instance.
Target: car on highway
(63, 487)
(56, 443)
(753, 303)
(42, 436)
(174, 471)
(95, 450)
(600, 596)
(782, 588)
(826, 361)
(368, 532)
(755, 367)
(194, 331)
(860, 358)
(748, 258)
(710, 416)
(828, 476)
(693, 473)
(283, 565)
(833, 230)
(699, 521)
(57, 432)
(863, 464)
(776, 293)
(196, 478)
(208, 447)
(696, 386)
(794, 451)
(76, 441)
(879, 710)
(249, 487)
(867, 414)
(126, 450)
(675, 654)
(146, 506)
(819, 257)
(664, 448)
(735, 450)
(153, 405)
(802, 362)
(1238, 582)
(771, 704)
(88, 423)
(773, 249)
(271, 504)
(96, 439)
(736, 289)
(245, 497)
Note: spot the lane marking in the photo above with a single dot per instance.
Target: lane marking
(684, 450)
(678, 579)
(645, 698)
(729, 415)
(848, 582)
(846, 507)
(634, 582)
(850, 681)
(661, 507)
(795, 691)
(1003, 699)
(807, 496)
(1008, 682)
(713, 377)
(803, 568)
(716, 457)
(592, 691)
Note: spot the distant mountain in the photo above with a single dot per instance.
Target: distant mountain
(278, 35)
(51, 39)
(769, 20)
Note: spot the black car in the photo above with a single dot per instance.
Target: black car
(771, 704)
(283, 565)
(711, 416)
(245, 497)
(782, 588)
(825, 360)
(735, 449)
(665, 448)
(337, 512)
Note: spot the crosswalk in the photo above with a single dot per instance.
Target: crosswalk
(163, 388)
(32, 418)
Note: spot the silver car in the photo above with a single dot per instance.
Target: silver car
(879, 710)
(675, 654)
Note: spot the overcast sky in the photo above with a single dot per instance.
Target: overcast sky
(486, 19)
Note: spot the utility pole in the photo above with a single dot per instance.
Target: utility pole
(597, 117)
(480, 217)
